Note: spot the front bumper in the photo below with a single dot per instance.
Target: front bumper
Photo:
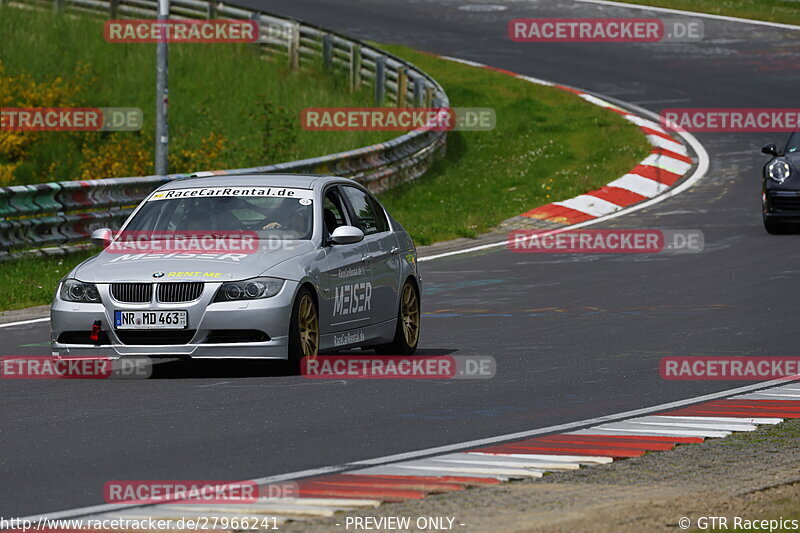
(782, 204)
(268, 315)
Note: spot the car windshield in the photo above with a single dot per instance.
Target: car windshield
(793, 145)
(268, 217)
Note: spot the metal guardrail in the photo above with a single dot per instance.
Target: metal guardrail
(49, 218)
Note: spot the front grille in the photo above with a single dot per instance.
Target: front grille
(180, 291)
(132, 292)
(785, 202)
(221, 336)
(152, 336)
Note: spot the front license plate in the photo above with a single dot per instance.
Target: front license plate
(150, 319)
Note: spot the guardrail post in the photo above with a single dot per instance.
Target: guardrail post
(380, 79)
(58, 5)
(355, 67)
(256, 17)
(327, 51)
(419, 88)
(211, 10)
(113, 9)
(428, 96)
(402, 86)
(162, 94)
(294, 47)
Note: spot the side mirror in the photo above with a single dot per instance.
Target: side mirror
(347, 235)
(769, 149)
(102, 237)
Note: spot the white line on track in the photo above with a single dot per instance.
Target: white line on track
(24, 322)
(691, 14)
(449, 448)
(551, 429)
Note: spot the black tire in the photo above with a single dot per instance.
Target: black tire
(299, 343)
(405, 343)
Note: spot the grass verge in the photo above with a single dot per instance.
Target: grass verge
(777, 514)
(548, 145)
(31, 280)
(783, 11)
(228, 108)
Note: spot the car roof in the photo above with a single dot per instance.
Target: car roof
(300, 181)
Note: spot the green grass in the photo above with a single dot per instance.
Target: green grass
(225, 88)
(782, 435)
(765, 440)
(784, 11)
(548, 145)
(31, 280)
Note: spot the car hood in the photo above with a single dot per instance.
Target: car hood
(793, 158)
(115, 266)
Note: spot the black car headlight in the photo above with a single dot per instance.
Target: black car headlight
(779, 170)
(76, 291)
(249, 289)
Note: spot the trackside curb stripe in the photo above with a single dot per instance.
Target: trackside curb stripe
(639, 185)
(590, 205)
(669, 155)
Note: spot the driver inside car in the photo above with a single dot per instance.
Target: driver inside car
(295, 221)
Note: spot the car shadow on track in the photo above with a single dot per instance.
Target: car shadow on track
(249, 368)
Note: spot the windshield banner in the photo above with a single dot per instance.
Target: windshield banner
(243, 192)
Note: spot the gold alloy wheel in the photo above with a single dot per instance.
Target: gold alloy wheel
(309, 327)
(409, 314)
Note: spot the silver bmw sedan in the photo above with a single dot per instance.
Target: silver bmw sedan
(255, 266)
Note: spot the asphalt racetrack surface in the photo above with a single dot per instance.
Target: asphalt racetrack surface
(574, 336)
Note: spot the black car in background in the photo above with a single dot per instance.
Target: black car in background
(780, 189)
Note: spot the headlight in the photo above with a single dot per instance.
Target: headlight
(779, 170)
(76, 291)
(249, 289)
